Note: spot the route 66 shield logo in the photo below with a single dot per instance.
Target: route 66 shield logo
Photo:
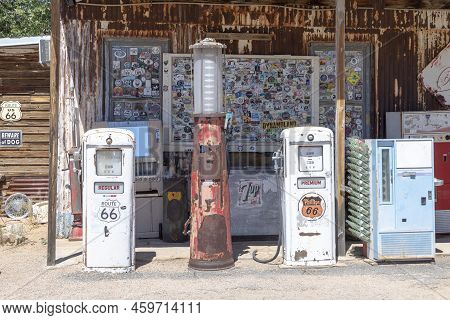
(10, 111)
(312, 206)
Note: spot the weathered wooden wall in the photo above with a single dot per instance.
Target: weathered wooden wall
(23, 79)
(403, 43)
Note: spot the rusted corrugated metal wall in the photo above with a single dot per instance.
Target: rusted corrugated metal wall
(403, 43)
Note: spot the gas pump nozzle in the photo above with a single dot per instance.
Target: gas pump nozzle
(277, 159)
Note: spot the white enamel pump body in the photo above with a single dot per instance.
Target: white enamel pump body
(108, 200)
(308, 196)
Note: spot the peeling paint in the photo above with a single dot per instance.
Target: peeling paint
(300, 255)
(403, 42)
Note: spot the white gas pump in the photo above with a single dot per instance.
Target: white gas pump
(307, 187)
(108, 200)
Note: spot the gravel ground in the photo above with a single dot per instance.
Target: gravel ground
(24, 276)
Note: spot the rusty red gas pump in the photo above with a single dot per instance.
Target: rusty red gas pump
(210, 238)
(76, 194)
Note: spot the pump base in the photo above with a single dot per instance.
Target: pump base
(214, 265)
(109, 270)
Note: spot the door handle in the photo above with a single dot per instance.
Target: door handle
(412, 175)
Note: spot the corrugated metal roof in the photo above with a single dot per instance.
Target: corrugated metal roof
(12, 42)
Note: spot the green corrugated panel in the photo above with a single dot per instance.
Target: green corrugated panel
(359, 235)
(358, 183)
(362, 221)
(358, 208)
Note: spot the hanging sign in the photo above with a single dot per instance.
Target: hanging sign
(436, 76)
(10, 111)
(10, 138)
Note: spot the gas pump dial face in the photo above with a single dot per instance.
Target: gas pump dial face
(310, 158)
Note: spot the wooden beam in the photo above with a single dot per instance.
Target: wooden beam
(239, 36)
(54, 108)
(340, 126)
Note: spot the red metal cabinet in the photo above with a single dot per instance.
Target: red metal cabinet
(442, 172)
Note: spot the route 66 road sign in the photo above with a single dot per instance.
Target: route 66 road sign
(10, 111)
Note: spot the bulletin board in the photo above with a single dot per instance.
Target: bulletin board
(264, 93)
(133, 79)
(357, 87)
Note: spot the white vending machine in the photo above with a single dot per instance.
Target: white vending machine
(308, 200)
(108, 200)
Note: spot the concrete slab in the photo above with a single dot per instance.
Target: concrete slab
(70, 252)
(148, 250)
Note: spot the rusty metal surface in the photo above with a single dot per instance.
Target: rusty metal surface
(403, 42)
(210, 204)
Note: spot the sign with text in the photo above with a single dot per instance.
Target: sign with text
(10, 138)
(250, 193)
(10, 111)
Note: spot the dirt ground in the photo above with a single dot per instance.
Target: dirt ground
(25, 276)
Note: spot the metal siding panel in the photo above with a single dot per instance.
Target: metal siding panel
(406, 245)
(443, 221)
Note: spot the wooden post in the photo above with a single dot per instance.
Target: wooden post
(54, 108)
(340, 126)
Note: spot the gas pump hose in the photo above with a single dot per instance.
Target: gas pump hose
(280, 235)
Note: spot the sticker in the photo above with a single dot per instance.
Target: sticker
(280, 124)
(120, 54)
(137, 83)
(116, 64)
(353, 78)
(323, 78)
(139, 72)
(174, 196)
(312, 206)
(250, 193)
(133, 51)
(156, 50)
(127, 114)
(118, 91)
(126, 72)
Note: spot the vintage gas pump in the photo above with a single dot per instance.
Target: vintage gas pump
(210, 211)
(108, 200)
(307, 185)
